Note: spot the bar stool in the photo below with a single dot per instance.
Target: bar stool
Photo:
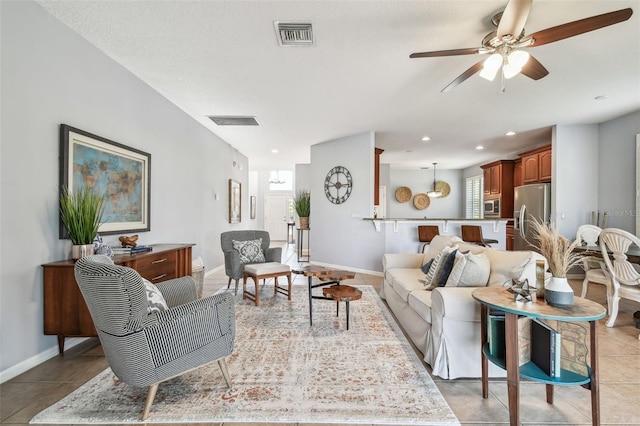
(473, 234)
(426, 234)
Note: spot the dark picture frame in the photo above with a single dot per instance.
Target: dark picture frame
(235, 201)
(118, 172)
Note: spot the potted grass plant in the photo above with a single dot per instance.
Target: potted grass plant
(302, 203)
(561, 256)
(81, 213)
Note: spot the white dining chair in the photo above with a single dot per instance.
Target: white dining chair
(594, 268)
(625, 276)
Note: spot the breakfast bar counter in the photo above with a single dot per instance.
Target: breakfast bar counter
(401, 234)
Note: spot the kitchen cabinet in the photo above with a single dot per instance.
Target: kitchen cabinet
(498, 183)
(510, 239)
(517, 173)
(536, 165)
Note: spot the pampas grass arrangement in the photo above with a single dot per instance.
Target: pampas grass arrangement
(557, 249)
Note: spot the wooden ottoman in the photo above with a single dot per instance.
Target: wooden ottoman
(259, 271)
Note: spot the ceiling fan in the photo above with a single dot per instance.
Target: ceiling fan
(505, 45)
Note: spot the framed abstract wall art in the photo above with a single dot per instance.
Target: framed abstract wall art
(120, 173)
(235, 201)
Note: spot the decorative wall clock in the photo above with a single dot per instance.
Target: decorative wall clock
(338, 184)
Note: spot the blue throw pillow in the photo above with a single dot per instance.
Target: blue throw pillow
(444, 272)
(426, 266)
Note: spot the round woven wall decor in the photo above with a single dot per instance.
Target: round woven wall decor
(443, 187)
(421, 201)
(403, 194)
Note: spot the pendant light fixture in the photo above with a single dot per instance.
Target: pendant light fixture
(434, 193)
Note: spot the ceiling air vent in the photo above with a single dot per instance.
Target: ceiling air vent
(234, 120)
(294, 33)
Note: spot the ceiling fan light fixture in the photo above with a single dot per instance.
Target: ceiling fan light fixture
(491, 66)
(514, 63)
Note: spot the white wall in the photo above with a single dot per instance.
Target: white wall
(617, 168)
(51, 75)
(421, 181)
(338, 234)
(575, 171)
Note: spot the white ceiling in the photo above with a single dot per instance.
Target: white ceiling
(223, 58)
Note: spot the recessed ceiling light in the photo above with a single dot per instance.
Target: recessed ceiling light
(426, 138)
(510, 133)
(275, 151)
(479, 147)
(600, 97)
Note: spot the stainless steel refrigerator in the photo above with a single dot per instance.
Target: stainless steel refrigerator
(529, 201)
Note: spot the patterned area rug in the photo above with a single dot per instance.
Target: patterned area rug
(284, 370)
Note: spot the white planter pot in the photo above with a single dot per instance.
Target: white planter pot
(78, 251)
(558, 292)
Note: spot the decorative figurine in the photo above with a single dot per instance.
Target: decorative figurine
(129, 241)
(522, 290)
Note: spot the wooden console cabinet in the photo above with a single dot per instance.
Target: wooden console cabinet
(65, 312)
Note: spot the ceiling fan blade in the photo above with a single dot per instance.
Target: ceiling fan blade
(534, 69)
(513, 19)
(465, 75)
(581, 26)
(452, 52)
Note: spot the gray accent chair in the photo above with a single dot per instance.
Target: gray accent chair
(144, 349)
(232, 264)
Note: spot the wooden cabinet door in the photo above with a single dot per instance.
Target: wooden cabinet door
(530, 168)
(486, 173)
(496, 179)
(544, 160)
(517, 174)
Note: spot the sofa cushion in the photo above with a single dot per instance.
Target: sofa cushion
(473, 248)
(437, 244)
(405, 281)
(437, 263)
(470, 270)
(426, 266)
(250, 250)
(420, 302)
(445, 270)
(155, 299)
(506, 265)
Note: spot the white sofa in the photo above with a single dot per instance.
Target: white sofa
(444, 323)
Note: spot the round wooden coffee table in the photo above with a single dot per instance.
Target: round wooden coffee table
(342, 293)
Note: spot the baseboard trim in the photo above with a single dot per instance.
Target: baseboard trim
(27, 364)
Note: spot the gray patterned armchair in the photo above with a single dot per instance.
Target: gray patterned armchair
(146, 348)
(233, 263)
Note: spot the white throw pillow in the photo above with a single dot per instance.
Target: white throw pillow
(470, 270)
(250, 250)
(155, 299)
(506, 265)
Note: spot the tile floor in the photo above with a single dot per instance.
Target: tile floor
(26, 395)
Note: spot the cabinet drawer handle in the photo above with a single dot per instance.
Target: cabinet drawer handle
(159, 261)
(158, 277)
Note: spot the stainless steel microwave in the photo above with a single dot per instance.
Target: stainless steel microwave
(492, 208)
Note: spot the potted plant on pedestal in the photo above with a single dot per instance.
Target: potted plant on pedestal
(560, 255)
(302, 203)
(81, 214)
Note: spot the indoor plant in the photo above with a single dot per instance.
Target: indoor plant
(81, 214)
(560, 255)
(302, 203)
